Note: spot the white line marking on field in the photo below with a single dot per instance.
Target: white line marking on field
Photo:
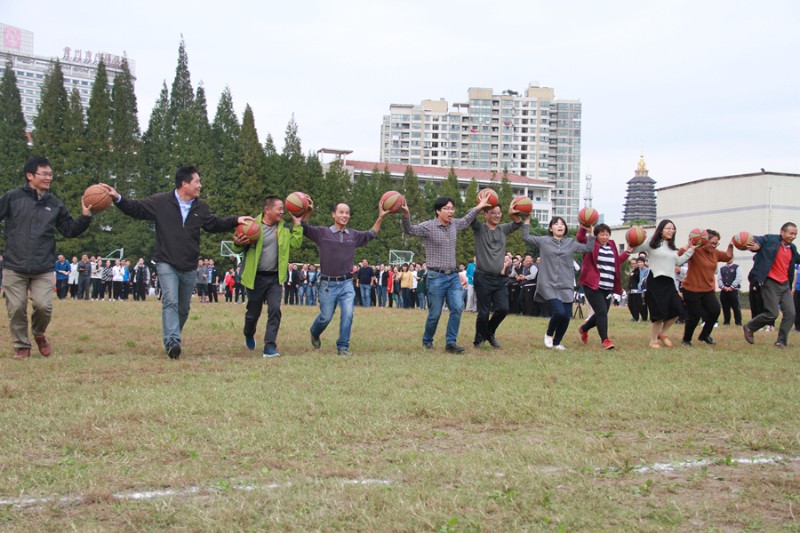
(759, 460)
(167, 493)
(190, 491)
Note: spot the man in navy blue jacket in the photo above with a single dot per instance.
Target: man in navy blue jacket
(773, 267)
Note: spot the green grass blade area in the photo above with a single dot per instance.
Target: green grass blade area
(110, 434)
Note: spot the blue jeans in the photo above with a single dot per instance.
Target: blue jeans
(561, 313)
(421, 299)
(176, 295)
(381, 292)
(366, 297)
(311, 295)
(443, 287)
(301, 294)
(331, 294)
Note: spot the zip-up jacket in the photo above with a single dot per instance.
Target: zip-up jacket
(765, 256)
(30, 229)
(177, 243)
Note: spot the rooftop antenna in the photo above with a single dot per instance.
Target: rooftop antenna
(587, 196)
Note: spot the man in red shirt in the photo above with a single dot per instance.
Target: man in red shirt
(773, 267)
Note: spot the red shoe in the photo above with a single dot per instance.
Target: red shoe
(584, 335)
(44, 347)
(22, 353)
(608, 345)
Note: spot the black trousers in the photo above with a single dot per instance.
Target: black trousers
(600, 300)
(492, 297)
(266, 289)
(700, 305)
(637, 307)
(61, 288)
(730, 302)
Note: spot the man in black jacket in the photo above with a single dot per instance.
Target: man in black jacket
(32, 214)
(179, 215)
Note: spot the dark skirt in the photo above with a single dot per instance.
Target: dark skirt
(663, 300)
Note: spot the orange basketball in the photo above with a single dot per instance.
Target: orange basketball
(392, 201)
(522, 204)
(493, 198)
(251, 230)
(297, 203)
(97, 198)
(742, 239)
(635, 236)
(698, 237)
(588, 216)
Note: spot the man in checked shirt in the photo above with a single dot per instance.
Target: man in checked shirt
(439, 239)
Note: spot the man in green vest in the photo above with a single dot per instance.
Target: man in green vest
(265, 266)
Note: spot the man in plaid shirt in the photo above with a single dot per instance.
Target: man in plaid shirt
(439, 238)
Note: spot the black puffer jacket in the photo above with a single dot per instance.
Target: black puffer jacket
(177, 243)
(30, 229)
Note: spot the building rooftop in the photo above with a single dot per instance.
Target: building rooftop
(463, 174)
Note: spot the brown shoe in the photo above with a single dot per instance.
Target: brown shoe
(748, 335)
(22, 353)
(665, 340)
(44, 347)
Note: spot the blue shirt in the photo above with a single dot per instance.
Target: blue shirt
(185, 206)
(62, 265)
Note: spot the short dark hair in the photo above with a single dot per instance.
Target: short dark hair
(33, 163)
(184, 175)
(269, 201)
(441, 202)
(712, 233)
(553, 223)
(788, 225)
(601, 227)
(337, 204)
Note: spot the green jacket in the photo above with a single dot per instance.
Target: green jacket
(288, 236)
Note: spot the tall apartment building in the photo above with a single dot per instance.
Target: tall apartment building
(79, 67)
(533, 135)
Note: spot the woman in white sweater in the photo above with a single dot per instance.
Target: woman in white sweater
(663, 301)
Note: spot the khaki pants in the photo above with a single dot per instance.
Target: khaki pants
(41, 291)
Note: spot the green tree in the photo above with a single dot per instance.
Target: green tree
(158, 172)
(72, 177)
(182, 93)
(452, 189)
(118, 230)
(416, 204)
(250, 192)
(13, 140)
(191, 143)
(274, 181)
(225, 131)
(294, 176)
(49, 137)
(98, 128)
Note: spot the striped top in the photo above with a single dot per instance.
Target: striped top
(606, 267)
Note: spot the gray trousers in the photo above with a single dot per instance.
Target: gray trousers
(777, 297)
(41, 291)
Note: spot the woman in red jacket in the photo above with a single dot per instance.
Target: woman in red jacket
(600, 280)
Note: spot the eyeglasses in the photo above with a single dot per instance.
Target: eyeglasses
(45, 174)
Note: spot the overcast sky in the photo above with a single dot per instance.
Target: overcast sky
(702, 88)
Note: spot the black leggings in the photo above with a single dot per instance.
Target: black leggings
(600, 300)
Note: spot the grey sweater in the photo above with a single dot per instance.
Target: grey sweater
(557, 266)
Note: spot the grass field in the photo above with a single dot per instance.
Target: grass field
(108, 434)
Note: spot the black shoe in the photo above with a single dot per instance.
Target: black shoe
(427, 345)
(780, 345)
(343, 351)
(174, 351)
(748, 335)
(494, 343)
(454, 348)
(708, 340)
(687, 343)
(477, 344)
(315, 342)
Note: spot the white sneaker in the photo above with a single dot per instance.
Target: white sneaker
(559, 347)
(548, 341)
